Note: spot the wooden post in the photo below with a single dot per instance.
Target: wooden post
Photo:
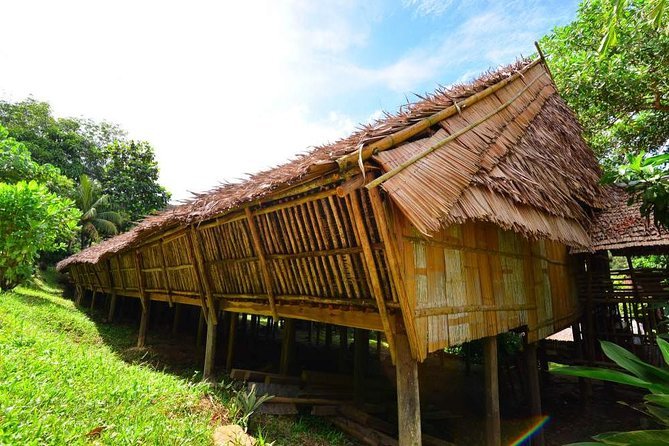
(143, 324)
(493, 428)
(328, 336)
(177, 318)
(378, 343)
(95, 293)
(112, 307)
(408, 400)
(200, 329)
(361, 348)
(210, 350)
(264, 265)
(534, 388)
(287, 346)
(343, 346)
(231, 341)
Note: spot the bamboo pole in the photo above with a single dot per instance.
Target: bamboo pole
(203, 276)
(368, 256)
(391, 173)
(166, 276)
(382, 217)
(349, 161)
(264, 267)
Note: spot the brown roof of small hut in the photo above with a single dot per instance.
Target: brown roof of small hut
(514, 158)
(620, 226)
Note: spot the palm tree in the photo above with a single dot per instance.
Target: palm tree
(95, 221)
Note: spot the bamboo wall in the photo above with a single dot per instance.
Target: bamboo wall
(351, 260)
(476, 280)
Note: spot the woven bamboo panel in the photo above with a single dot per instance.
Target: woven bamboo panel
(476, 280)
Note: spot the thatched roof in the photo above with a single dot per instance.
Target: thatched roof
(620, 226)
(523, 165)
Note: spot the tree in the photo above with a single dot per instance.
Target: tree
(16, 164)
(622, 96)
(131, 179)
(95, 220)
(32, 220)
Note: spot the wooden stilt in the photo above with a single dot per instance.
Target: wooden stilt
(361, 348)
(78, 293)
(343, 347)
(95, 293)
(177, 318)
(210, 350)
(534, 388)
(378, 344)
(200, 329)
(287, 346)
(112, 307)
(408, 400)
(493, 427)
(143, 325)
(231, 341)
(328, 336)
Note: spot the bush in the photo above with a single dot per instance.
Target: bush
(32, 220)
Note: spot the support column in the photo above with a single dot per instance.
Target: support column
(210, 350)
(112, 307)
(493, 427)
(200, 329)
(343, 346)
(231, 341)
(408, 400)
(177, 318)
(361, 349)
(287, 346)
(534, 388)
(143, 324)
(95, 293)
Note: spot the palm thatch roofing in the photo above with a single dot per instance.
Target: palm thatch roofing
(503, 148)
(619, 226)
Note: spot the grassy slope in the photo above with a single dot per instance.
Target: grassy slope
(62, 381)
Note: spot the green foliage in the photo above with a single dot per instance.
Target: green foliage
(638, 374)
(32, 220)
(16, 165)
(621, 97)
(96, 219)
(244, 403)
(654, 11)
(131, 178)
(647, 180)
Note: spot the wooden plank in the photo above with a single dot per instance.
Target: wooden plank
(368, 257)
(408, 400)
(264, 267)
(382, 217)
(493, 427)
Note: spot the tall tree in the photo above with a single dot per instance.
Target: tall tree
(97, 219)
(131, 178)
(622, 95)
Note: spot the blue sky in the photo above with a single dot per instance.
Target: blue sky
(226, 88)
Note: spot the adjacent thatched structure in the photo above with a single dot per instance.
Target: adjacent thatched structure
(446, 222)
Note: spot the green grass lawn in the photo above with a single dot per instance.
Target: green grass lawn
(63, 381)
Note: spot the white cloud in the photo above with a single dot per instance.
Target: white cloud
(225, 88)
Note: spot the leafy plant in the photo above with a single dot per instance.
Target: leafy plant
(245, 403)
(641, 374)
(646, 178)
(32, 220)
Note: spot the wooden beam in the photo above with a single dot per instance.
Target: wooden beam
(144, 300)
(140, 279)
(382, 217)
(287, 346)
(264, 267)
(408, 399)
(202, 276)
(210, 351)
(493, 428)
(375, 282)
(231, 341)
(163, 265)
(534, 389)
